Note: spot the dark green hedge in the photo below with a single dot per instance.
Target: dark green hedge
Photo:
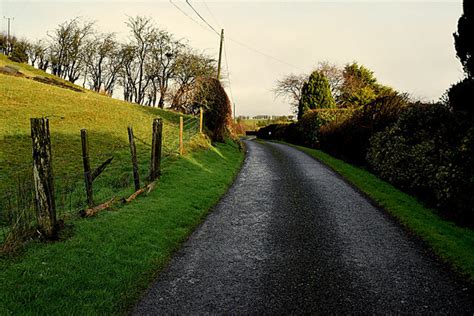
(349, 139)
(429, 152)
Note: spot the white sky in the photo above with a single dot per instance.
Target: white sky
(408, 44)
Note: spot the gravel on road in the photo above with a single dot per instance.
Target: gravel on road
(291, 236)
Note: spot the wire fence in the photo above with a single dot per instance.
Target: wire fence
(17, 193)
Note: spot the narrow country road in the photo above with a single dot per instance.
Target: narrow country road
(290, 237)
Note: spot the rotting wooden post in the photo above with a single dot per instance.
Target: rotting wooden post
(133, 152)
(200, 119)
(87, 168)
(181, 147)
(43, 177)
(156, 142)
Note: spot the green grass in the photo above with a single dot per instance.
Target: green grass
(106, 120)
(453, 244)
(99, 265)
(109, 261)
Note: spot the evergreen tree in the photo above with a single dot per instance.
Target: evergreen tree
(461, 94)
(315, 94)
(464, 38)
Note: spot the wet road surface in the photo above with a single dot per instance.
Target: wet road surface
(292, 237)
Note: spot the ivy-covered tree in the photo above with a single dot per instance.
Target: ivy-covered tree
(463, 39)
(211, 96)
(315, 94)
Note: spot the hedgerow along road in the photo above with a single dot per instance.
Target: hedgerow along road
(290, 236)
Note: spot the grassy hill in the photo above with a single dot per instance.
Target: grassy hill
(100, 265)
(106, 119)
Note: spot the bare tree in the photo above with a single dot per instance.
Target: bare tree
(37, 53)
(334, 75)
(127, 75)
(162, 66)
(103, 62)
(289, 87)
(143, 34)
(67, 46)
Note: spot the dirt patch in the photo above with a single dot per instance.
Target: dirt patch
(57, 83)
(12, 71)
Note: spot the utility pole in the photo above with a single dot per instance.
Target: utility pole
(234, 112)
(8, 35)
(220, 56)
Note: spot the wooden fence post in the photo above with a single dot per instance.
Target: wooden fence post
(43, 177)
(87, 168)
(181, 146)
(200, 119)
(156, 142)
(133, 152)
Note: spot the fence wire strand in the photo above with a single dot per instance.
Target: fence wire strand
(17, 202)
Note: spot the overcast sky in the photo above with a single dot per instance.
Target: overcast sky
(408, 44)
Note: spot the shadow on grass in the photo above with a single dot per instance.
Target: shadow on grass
(16, 180)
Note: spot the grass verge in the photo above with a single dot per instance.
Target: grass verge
(453, 244)
(110, 260)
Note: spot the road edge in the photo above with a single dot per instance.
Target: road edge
(457, 274)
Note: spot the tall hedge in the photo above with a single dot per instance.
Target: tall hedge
(315, 94)
(428, 152)
(210, 95)
(349, 139)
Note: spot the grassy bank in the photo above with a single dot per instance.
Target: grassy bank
(69, 111)
(453, 244)
(110, 260)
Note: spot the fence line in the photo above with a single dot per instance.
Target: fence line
(18, 203)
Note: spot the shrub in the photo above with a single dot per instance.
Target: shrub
(349, 139)
(306, 131)
(212, 97)
(311, 122)
(274, 131)
(20, 52)
(427, 154)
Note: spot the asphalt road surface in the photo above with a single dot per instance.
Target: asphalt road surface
(291, 237)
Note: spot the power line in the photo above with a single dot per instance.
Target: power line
(263, 54)
(212, 15)
(240, 43)
(237, 41)
(200, 16)
(188, 16)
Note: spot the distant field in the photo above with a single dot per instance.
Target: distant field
(106, 120)
(254, 124)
